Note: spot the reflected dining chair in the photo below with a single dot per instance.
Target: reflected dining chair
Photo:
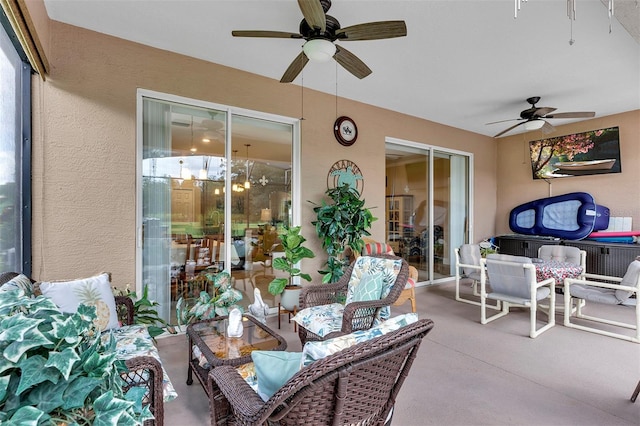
(513, 282)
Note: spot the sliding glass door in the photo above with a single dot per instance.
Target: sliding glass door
(215, 188)
(427, 206)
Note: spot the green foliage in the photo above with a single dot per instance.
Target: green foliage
(340, 224)
(207, 306)
(294, 252)
(144, 312)
(56, 370)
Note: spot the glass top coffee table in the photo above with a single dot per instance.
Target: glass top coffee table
(208, 337)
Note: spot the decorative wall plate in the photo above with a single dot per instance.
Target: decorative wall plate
(345, 172)
(345, 131)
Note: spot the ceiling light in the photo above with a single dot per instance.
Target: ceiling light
(319, 50)
(247, 183)
(533, 124)
(205, 140)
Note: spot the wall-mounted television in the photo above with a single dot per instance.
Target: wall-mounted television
(579, 154)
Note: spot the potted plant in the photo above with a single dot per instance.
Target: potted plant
(341, 224)
(206, 306)
(57, 370)
(294, 252)
(144, 312)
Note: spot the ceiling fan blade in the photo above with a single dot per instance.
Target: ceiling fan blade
(508, 129)
(351, 63)
(313, 14)
(582, 114)
(373, 31)
(543, 111)
(547, 128)
(503, 121)
(269, 34)
(294, 69)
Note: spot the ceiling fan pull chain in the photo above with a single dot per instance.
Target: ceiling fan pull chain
(336, 90)
(611, 13)
(517, 4)
(571, 13)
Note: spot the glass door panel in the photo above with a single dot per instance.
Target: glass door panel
(207, 207)
(407, 195)
(260, 200)
(427, 205)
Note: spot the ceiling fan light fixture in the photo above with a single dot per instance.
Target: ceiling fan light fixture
(534, 124)
(319, 50)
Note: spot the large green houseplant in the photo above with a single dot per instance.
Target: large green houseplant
(294, 252)
(54, 368)
(341, 223)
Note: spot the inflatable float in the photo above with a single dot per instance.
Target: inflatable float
(628, 237)
(572, 216)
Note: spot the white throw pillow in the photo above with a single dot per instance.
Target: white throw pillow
(94, 291)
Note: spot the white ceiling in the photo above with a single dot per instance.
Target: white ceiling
(463, 63)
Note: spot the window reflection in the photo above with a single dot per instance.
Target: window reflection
(185, 198)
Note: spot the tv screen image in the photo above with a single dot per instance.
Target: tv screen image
(578, 154)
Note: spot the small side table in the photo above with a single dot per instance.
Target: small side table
(282, 310)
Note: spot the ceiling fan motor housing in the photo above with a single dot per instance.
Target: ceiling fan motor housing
(331, 27)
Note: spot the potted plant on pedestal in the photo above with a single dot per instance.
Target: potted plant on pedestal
(341, 224)
(294, 252)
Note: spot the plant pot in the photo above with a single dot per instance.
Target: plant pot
(290, 297)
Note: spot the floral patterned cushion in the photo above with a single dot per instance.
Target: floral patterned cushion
(366, 266)
(321, 320)
(314, 351)
(134, 340)
(248, 373)
(21, 282)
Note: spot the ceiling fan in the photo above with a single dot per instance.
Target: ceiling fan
(321, 31)
(535, 117)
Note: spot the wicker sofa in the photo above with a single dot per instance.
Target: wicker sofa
(143, 370)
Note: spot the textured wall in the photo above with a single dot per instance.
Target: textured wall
(85, 138)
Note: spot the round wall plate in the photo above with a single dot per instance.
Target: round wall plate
(345, 131)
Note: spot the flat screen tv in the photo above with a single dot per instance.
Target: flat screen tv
(579, 154)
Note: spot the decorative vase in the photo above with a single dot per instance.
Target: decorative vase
(290, 297)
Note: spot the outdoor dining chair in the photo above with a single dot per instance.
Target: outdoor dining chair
(513, 282)
(607, 290)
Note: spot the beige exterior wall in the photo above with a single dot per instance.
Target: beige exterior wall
(84, 145)
(620, 192)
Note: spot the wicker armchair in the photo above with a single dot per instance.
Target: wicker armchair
(357, 315)
(358, 385)
(144, 371)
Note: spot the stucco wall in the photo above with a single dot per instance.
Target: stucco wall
(620, 191)
(85, 138)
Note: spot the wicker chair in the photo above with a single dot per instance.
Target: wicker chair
(358, 385)
(144, 371)
(357, 315)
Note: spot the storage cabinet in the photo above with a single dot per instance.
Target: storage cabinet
(607, 258)
(398, 211)
(602, 258)
(523, 245)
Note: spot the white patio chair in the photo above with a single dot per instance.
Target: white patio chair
(606, 290)
(470, 265)
(567, 254)
(513, 282)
